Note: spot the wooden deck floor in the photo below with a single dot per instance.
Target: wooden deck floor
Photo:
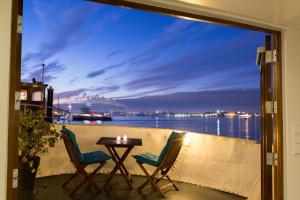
(49, 188)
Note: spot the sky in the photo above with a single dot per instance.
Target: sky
(118, 58)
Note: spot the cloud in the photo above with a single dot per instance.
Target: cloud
(141, 94)
(229, 100)
(85, 93)
(170, 36)
(66, 33)
(73, 80)
(178, 25)
(50, 72)
(177, 32)
(227, 57)
(99, 72)
(174, 58)
(114, 53)
(96, 73)
(174, 33)
(71, 93)
(70, 27)
(106, 89)
(245, 78)
(88, 95)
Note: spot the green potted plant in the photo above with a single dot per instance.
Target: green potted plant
(35, 137)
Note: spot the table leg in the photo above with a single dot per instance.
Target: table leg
(122, 165)
(119, 165)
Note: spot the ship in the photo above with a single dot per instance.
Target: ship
(87, 115)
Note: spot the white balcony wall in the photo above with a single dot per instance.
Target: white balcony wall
(5, 24)
(227, 164)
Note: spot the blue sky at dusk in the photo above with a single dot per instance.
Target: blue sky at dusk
(125, 58)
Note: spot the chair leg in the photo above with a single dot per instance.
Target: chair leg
(69, 179)
(150, 180)
(147, 175)
(154, 181)
(92, 183)
(173, 183)
(78, 187)
(73, 176)
(88, 178)
(164, 174)
(143, 185)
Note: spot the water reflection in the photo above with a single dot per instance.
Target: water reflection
(218, 126)
(247, 128)
(230, 127)
(206, 125)
(239, 125)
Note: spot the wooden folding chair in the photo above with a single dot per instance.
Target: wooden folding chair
(163, 163)
(82, 160)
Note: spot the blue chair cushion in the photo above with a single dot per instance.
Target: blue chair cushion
(95, 157)
(147, 158)
(72, 137)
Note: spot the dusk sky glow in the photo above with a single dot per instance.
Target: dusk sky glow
(127, 56)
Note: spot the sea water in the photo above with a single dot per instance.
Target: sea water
(244, 128)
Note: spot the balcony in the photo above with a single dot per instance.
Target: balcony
(206, 165)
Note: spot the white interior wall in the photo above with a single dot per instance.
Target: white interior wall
(276, 13)
(291, 107)
(5, 24)
(233, 10)
(289, 14)
(233, 7)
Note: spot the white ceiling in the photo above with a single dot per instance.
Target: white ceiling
(280, 13)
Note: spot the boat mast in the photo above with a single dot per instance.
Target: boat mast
(43, 71)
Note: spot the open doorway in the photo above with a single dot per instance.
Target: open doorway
(165, 11)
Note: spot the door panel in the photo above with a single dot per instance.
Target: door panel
(266, 124)
(277, 118)
(15, 76)
(271, 128)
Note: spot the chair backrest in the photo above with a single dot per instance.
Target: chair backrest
(171, 150)
(72, 146)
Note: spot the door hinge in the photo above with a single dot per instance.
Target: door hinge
(272, 159)
(271, 56)
(17, 100)
(15, 178)
(271, 107)
(20, 24)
